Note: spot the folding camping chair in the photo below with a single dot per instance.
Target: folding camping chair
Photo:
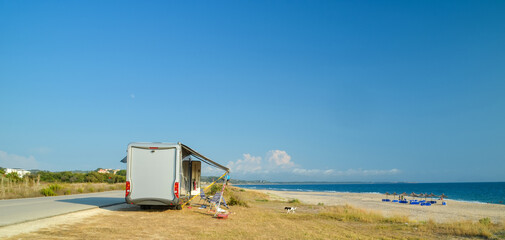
(215, 201)
(203, 197)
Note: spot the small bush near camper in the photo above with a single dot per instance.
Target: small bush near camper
(215, 188)
(80, 190)
(294, 200)
(236, 201)
(67, 192)
(47, 192)
(320, 204)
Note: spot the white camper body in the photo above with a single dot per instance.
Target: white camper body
(159, 173)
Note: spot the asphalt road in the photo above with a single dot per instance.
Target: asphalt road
(14, 211)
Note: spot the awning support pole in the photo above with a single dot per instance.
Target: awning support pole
(205, 189)
(190, 181)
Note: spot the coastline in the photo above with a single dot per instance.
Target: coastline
(483, 192)
(454, 210)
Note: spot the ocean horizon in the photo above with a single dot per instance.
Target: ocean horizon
(478, 192)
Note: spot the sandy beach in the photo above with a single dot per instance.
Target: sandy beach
(453, 211)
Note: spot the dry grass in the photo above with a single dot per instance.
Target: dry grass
(263, 219)
(31, 188)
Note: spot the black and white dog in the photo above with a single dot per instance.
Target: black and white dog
(290, 209)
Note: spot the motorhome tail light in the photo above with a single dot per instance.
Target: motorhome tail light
(127, 188)
(153, 147)
(176, 189)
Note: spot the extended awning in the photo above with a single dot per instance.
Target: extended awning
(186, 151)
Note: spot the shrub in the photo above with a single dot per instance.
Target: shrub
(67, 192)
(320, 204)
(236, 201)
(94, 177)
(121, 173)
(13, 176)
(91, 189)
(215, 188)
(294, 200)
(55, 187)
(120, 179)
(47, 192)
(80, 190)
(485, 221)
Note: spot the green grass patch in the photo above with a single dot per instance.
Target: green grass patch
(47, 192)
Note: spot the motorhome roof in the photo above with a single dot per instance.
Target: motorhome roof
(152, 144)
(186, 151)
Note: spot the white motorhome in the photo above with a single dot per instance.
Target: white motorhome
(163, 173)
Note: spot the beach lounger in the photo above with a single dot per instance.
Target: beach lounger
(395, 200)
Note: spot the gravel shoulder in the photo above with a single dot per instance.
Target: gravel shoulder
(26, 227)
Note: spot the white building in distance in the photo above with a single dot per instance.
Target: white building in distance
(108, 170)
(21, 172)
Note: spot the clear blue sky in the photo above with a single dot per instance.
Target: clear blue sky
(277, 90)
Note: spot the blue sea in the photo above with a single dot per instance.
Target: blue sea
(491, 192)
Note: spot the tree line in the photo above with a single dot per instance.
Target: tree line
(68, 176)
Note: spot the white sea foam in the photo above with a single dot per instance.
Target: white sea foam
(467, 201)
